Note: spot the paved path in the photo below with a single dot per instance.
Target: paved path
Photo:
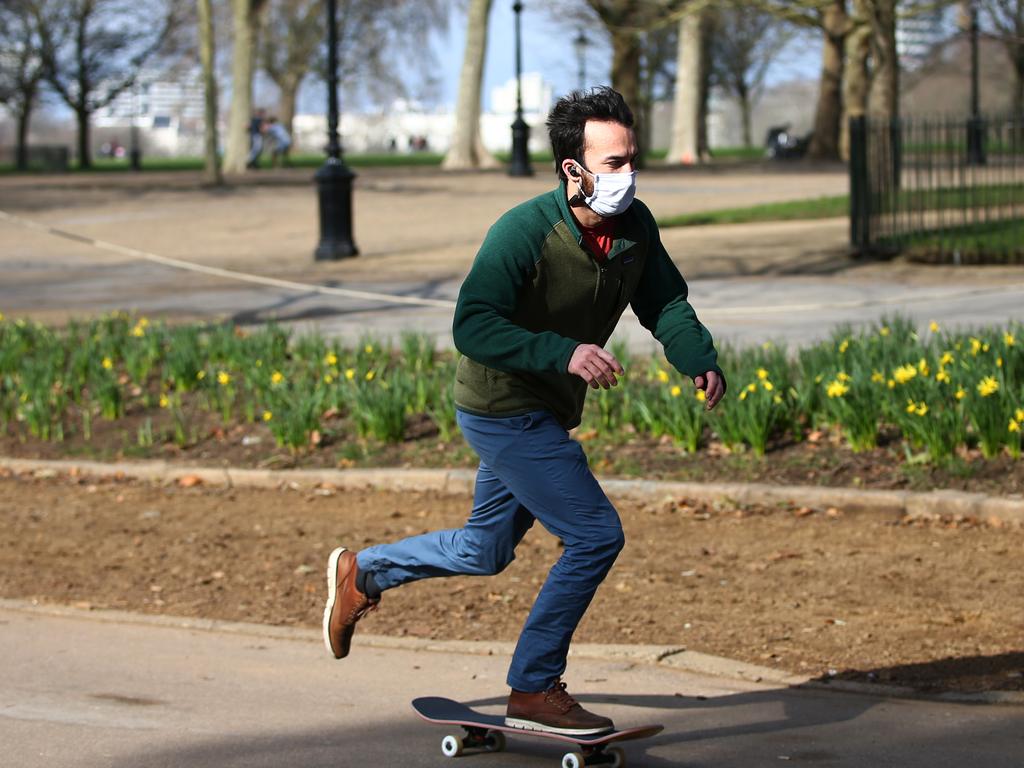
(77, 692)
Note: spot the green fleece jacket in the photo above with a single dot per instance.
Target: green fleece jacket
(535, 293)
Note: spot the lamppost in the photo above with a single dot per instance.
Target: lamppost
(135, 150)
(580, 43)
(520, 164)
(334, 179)
(976, 124)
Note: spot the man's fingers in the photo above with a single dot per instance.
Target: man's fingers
(609, 358)
(698, 382)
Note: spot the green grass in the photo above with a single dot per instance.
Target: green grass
(988, 242)
(813, 208)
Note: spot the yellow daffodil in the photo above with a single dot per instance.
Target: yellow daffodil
(328, 379)
(138, 331)
(267, 415)
(999, 362)
(942, 376)
(767, 385)
(223, 378)
(1008, 339)
(350, 373)
(946, 358)
(843, 377)
(988, 386)
(891, 384)
(911, 406)
(1014, 426)
(201, 375)
(1, 317)
(752, 386)
(922, 366)
(662, 376)
(922, 409)
(766, 345)
(743, 395)
(701, 395)
(777, 399)
(107, 363)
(368, 349)
(884, 331)
(960, 394)
(369, 375)
(877, 377)
(676, 391)
(904, 373)
(762, 374)
(844, 345)
(164, 401)
(975, 346)
(1019, 414)
(933, 327)
(837, 389)
(331, 359)
(276, 377)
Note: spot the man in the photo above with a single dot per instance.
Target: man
(543, 296)
(257, 125)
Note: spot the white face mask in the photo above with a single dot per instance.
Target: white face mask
(613, 192)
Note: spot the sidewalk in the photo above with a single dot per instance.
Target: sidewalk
(85, 693)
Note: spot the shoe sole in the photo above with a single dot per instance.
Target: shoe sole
(332, 596)
(531, 725)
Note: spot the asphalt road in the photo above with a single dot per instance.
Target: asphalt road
(84, 693)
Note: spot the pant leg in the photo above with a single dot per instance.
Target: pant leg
(484, 546)
(547, 472)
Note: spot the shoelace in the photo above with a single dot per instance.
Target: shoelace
(559, 697)
(361, 610)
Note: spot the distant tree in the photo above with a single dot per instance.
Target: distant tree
(245, 24)
(21, 69)
(93, 51)
(207, 59)
(379, 43)
(689, 114)
(745, 42)
(1006, 18)
(467, 149)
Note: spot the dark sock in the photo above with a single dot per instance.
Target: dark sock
(366, 585)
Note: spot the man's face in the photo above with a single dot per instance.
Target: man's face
(608, 147)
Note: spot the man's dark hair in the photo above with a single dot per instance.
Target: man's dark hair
(569, 117)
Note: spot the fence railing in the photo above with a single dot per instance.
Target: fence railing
(949, 190)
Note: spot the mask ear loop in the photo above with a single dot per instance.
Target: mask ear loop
(580, 196)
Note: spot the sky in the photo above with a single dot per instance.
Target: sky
(548, 49)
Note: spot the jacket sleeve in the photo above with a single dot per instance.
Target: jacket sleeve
(482, 328)
(661, 306)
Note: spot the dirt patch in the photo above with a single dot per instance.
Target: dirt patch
(937, 605)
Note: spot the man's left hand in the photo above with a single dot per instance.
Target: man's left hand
(713, 385)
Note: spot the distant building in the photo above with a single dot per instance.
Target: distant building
(917, 35)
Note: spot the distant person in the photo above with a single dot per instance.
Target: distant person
(256, 127)
(543, 296)
(282, 140)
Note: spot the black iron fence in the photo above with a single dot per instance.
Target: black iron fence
(949, 190)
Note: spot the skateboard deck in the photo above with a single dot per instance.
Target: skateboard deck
(487, 732)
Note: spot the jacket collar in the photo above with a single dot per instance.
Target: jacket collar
(628, 232)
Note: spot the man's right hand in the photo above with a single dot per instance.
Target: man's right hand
(595, 365)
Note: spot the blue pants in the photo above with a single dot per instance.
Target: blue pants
(529, 469)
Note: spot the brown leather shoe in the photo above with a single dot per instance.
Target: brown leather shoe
(554, 711)
(345, 603)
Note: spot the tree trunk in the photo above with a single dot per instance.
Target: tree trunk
(24, 116)
(207, 57)
(686, 114)
(84, 151)
(245, 21)
(467, 150)
(744, 97)
(855, 76)
(884, 99)
(825, 141)
(289, 88)
(626, 77)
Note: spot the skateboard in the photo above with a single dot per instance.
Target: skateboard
(487, 733)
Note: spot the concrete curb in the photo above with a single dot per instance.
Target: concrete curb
(957, 504)
(671, 657)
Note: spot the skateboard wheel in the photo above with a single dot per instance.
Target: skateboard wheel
(572, 760)
(618, 757)
(451, 746)
(494, 741)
